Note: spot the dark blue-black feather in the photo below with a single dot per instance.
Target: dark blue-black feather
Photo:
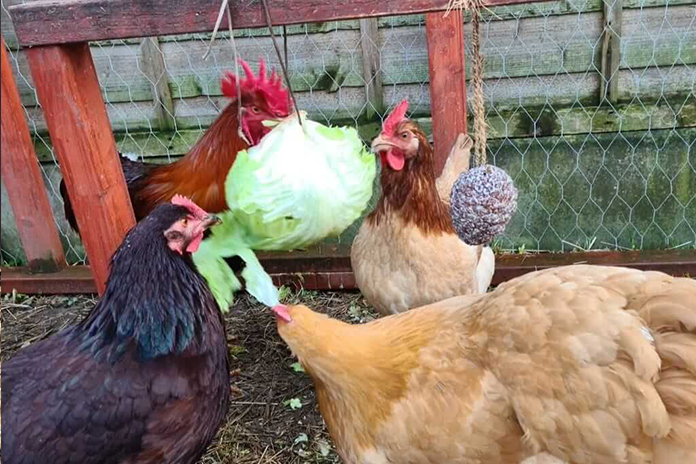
(144, 378)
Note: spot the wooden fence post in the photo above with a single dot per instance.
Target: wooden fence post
(372, 73)
(25, 188)
(446, 67)
(611, 52)
(68, 90)
(156, 71)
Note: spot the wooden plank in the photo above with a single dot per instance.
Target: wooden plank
(6, 26)
(156, 72)
(68, 90)
(520, 11)
(64, 21)
(372, 67)
(678, 263)
(554, 98)
(504, 123)
(319, 61)
(119, 69)
(611, 51)
(323, 62)
(25, 188)
(334, 273)
(445, 37)
(71, 279)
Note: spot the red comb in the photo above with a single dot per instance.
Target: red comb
(395, 117)
(270, 89)
(196, 211)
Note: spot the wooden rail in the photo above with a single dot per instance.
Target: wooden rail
(65, 21)
(330, 269)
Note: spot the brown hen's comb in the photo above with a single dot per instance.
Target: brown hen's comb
(196, 211)
(395, 117)
(271, 87)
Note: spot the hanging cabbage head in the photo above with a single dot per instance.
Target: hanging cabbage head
(298, 186)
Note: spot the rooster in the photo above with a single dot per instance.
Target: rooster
(406, 253)
(201, 174)
(578, 364)
(144, 378)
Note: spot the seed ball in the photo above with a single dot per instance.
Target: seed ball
(482, 202)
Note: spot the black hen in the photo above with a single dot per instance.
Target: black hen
(133, 171)
(144, 378)
(136, 174)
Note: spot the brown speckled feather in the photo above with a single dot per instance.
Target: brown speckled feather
(580, 364)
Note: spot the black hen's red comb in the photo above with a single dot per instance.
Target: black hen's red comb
(195, 210)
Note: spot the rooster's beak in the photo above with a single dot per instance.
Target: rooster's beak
(381, 144)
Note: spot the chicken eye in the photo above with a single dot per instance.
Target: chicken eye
(255, 109)
(404, 135)
(184, 222)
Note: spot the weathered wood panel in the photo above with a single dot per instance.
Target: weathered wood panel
(152, 62)
(515, 108)
(6, 26)
(520, 11)
(64, 21)
(118, 67)
(370, 46)
(538, 46)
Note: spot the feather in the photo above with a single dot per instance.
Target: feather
(581, 363)
(143, 378)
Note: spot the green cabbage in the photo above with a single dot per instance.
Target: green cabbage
(298, 186)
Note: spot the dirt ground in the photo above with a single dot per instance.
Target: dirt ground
(273, 416)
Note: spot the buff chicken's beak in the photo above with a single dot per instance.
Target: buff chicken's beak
(282, 313)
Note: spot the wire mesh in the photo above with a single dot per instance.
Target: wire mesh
(603, 155)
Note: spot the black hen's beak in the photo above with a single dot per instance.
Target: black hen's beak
(210, 221)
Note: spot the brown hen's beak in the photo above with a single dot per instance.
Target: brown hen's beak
(210, 220)
(381, 144)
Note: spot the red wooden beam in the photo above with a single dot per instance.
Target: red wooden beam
(72, 279)
(68, 90)
(25, 188)
(445, 37)
(332, 271)
(64, 21)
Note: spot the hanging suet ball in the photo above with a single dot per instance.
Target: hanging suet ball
(482, 201)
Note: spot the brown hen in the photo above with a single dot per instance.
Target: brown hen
(406, 253)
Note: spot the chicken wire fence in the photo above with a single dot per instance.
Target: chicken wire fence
(602, 151)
